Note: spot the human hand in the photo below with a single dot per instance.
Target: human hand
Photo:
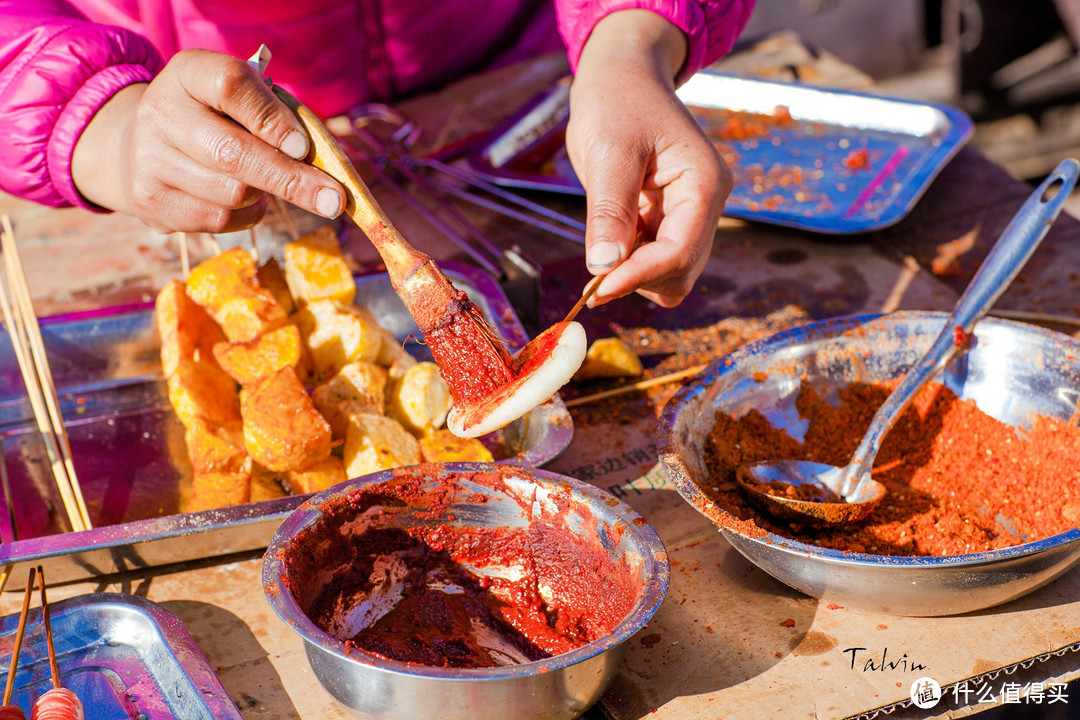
(198, 149)
(638, 151)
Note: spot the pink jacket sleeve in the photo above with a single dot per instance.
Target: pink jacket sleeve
(711, 26)
(56, 70)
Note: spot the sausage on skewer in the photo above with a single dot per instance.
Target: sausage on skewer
(8, 711)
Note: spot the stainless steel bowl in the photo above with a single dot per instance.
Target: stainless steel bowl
(562, 686)
(1012, 372)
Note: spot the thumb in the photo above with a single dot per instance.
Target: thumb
(611, 213)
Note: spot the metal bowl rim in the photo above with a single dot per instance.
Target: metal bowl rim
(823, 330)
(652, 593)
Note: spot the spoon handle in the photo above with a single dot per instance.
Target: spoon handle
(1008, 256)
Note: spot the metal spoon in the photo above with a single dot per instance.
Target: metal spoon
(830, 495)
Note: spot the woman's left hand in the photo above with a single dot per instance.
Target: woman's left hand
(638, 151)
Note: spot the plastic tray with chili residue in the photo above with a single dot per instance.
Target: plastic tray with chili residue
(820, 159)
(129, 450)
(123, 656)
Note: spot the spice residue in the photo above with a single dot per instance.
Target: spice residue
(957, 480)
(388, 572)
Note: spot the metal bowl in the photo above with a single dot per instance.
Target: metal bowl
(1012, 372)
(562, 686)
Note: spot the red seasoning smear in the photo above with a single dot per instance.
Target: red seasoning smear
(470, 358)
(957, 481)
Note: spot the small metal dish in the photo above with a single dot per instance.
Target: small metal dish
(1012, 372)
(561, 686)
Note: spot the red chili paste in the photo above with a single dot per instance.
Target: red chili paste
(471, 361)
(957, 480)
(571, 591)
(531, 357)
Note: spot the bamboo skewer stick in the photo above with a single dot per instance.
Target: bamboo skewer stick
(20, 630)
(33, 364)
(587, 293)
(185, 257)
(640, 385)
(286, 218)
(54, 669)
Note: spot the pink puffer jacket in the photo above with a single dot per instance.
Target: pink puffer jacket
(62, 60)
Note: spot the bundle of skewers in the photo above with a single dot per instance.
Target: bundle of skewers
(22, 326)
(58, 703)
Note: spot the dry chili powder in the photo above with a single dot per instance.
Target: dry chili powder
(958, 481)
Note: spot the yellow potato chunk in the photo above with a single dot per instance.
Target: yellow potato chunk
(226, 286)
(272, 277)
(200, 389)
(218, 490)
(609, 357)
(216, 448)
(282, 428)
(357, 389)
(251, 361)
(315, 269)
(187, 332)
(420, 399)
(264, 484)
(376, 442)
(445, 446)
(338, 335)
(318, 477)
(245, 318)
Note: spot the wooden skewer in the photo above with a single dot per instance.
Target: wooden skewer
(254, 245)
(185, 257)
(587, 293)
(19, 631)
(286, 218)
(26, 335)
(640, 385)
(45, 620)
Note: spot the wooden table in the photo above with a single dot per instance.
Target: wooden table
(729, 641)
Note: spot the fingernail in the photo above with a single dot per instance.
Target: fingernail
(328, 202)
(295, 145)
(603, 254)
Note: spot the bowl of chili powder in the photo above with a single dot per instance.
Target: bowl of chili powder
(465, 590)
(982, 472)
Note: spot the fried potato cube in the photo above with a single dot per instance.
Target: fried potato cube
(226, 286)
(200, 389)
(245, 318)
(251, 361)
(376, 442)
(421, 399)
(272, 277)
(216, 448)
(264, 484)
(357, 389)
(187, 332)
(219, 490)
(445, 446)
(315, 269)
(318, 477)
(282, 428)
(393, 356)
(609, 357)
(338, 335)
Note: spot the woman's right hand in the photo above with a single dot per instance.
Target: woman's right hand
(198, 149)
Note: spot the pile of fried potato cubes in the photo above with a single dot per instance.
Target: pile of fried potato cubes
(282, 384)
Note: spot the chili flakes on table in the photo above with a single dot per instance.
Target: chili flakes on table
(957, 480)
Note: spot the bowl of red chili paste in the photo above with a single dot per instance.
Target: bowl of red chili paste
(982, 473)
(465, 590)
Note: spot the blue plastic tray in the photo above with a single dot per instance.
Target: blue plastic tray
(802, 173)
